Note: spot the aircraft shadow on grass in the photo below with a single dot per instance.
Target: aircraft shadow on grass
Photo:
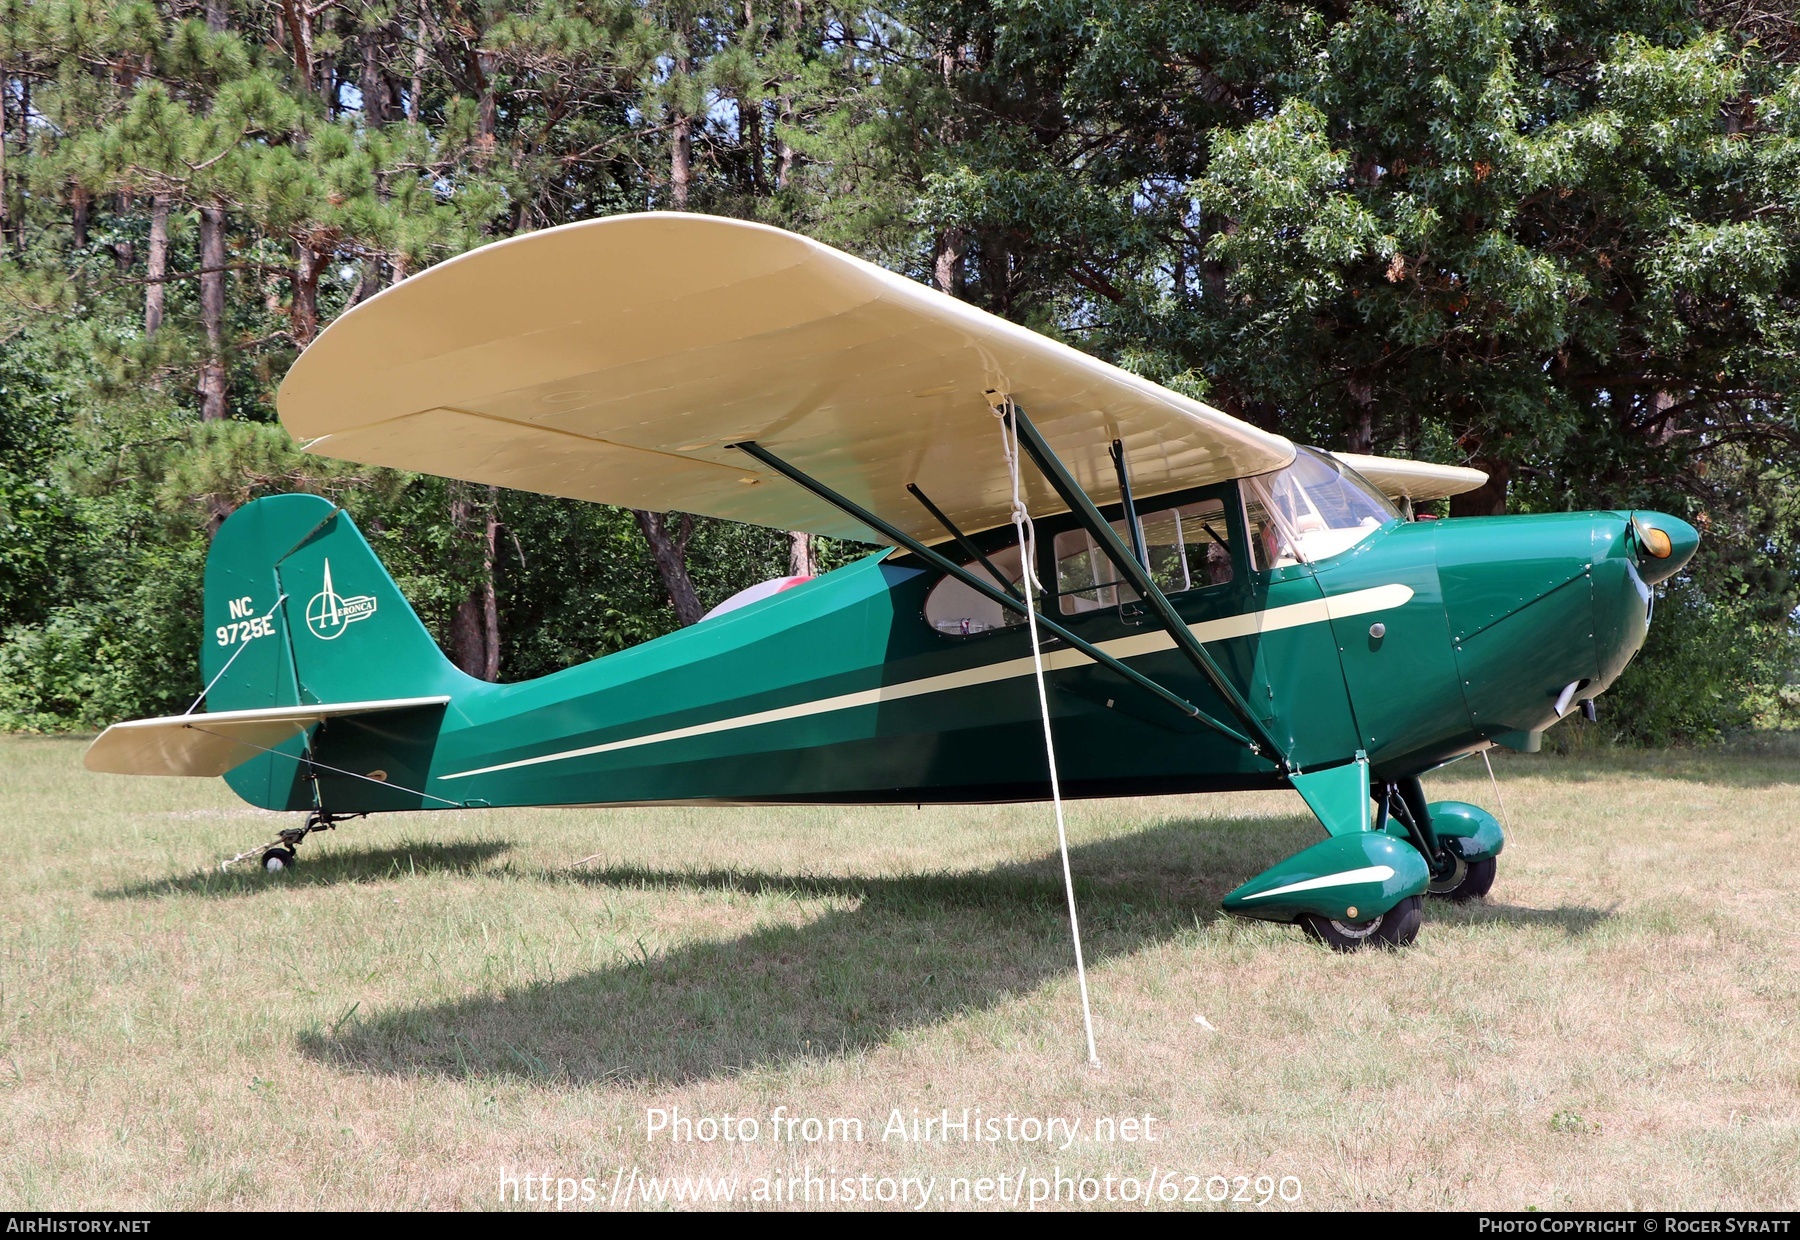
(323, 867)
(910, 952)
(1574, 920)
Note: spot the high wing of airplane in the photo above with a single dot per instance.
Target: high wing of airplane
(1219, 608)
(621, 361)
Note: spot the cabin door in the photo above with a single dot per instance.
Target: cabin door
(1193, 547)
(1289, 653)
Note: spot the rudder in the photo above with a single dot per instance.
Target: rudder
(298, 610)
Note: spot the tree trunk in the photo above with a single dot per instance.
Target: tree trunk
(468, 646)
(328, 80)
(124, 252)
(670, 553)
(24, 119)
(995, 260)
(418, 76)
(1361, 436)
(372, 85)
(1659, 428)
(368, 282)
(947, 264)
(785, 155)
(213, 381)
(5, 199)
(800, 555)
(303, 311)
(750, 137)
(475, 625)
(490, 602)
(218, 13)
(155, 289)
(218, 509)
(300, 31)
(12, 191)
(681, 162)
(80, 202)
(1488, 500)
(487, 114)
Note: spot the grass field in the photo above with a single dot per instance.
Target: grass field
(432, 1001)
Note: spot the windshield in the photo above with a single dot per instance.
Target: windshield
(1314, 508)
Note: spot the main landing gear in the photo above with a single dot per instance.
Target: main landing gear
(1460, 842)
(1464, 880)
(1397, 927)
(1365, 884)
(282, 853)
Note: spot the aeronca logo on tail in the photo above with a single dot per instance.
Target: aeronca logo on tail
(330, 613)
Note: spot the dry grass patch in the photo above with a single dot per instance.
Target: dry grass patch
(432, 998)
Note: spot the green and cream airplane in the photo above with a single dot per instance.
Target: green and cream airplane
(1220, 609)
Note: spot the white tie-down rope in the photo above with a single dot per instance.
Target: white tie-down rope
(1009, 445)
(1505, 819)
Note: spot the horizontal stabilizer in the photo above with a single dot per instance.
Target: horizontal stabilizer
(213, 742)
(1401, 479)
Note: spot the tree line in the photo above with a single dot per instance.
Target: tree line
(1555, 240)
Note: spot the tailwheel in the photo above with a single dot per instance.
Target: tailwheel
(1465, 880)
(282, 853)
(1397, 927)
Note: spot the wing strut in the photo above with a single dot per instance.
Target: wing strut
(1129, 503)
(987, 589)
(1137, 576)
(962, 539)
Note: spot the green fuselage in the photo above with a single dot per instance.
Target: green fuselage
(838, 690)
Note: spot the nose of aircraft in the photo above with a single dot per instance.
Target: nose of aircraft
(1662, 545)
(1652, 547)
(1546, 610)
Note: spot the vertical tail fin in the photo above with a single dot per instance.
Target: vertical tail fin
(298, 611)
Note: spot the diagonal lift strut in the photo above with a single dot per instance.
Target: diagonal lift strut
(987, 589)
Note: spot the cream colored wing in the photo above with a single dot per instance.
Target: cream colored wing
(213, 742)
(617, 360)
(1416, 480)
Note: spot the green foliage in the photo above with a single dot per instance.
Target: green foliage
(125, 645)
(1703, 672)
(36, 525)
(1559, 240)
(1555, 241)
(1721, 652)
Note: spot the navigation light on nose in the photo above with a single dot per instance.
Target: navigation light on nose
(1653, 540)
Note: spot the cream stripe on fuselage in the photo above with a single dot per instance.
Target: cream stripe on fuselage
(1355, 603)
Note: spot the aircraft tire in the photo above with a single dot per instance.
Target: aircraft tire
(1397, 927)
(279, 860)
(1468, 881)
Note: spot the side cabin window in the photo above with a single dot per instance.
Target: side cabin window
(1189, 548)
(955, 609)
(1270, 545)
